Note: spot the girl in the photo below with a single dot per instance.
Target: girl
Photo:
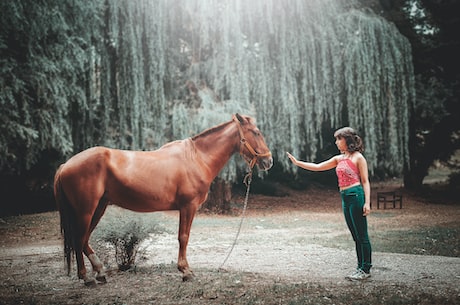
(352, 174)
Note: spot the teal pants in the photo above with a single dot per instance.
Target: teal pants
(352, 204)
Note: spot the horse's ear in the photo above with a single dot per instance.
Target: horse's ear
(240, 118)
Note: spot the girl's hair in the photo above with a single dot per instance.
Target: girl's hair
(352, 139)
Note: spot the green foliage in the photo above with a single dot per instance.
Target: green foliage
(43, 51)
(431, 112)
(208, 110)
(114, 73)
(305, 74)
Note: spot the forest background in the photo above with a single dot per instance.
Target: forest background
(137, 74)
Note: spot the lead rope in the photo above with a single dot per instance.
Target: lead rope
(247, 180)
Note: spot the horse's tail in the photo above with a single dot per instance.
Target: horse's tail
(67, 213)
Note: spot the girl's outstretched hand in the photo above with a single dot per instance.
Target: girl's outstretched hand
(292, 158)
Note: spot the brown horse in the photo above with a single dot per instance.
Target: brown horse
(175, 177)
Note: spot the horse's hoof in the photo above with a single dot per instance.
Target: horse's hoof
(101, 279)
(90, 282)
(187, 277)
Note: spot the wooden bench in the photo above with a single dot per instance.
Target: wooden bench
(389, 197)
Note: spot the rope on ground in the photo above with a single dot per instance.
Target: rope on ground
(247, 180)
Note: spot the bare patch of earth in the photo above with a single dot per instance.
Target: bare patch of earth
(294, 249)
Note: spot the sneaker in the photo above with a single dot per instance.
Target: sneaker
(359, 275)
(349, 277)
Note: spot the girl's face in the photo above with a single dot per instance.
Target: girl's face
(341, 144)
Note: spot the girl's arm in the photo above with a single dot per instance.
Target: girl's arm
(363, 171)
(325, 165)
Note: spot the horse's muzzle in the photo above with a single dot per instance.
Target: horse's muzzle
(265, 163)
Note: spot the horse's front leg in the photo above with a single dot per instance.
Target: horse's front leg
(185, 224)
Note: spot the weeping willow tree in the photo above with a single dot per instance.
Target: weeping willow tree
(115, 73)
(306, 67)
(127, 77)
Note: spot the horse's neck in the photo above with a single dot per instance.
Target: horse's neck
(216, 148)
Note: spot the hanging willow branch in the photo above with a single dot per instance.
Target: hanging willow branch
(302, 68)
(308, 67)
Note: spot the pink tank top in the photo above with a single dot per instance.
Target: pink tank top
(347, 173)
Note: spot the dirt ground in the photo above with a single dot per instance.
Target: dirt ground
(291, 250)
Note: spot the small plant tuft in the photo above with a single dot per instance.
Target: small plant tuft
(125, 235)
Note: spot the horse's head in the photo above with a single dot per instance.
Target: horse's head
(252, 143)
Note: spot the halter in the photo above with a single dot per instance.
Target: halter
(244, 143)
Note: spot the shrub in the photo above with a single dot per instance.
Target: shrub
(126, 234)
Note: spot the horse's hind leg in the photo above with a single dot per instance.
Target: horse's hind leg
(96, 263)
(86, 225)
(82, 243)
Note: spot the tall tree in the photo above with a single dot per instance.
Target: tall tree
(43, 51)
(115, 73)
(431, 27)
(320, 64)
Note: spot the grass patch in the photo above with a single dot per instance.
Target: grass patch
(435, 240)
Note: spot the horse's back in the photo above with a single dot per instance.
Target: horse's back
(136, 180)
(86, 163)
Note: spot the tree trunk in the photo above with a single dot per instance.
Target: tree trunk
(219, 197)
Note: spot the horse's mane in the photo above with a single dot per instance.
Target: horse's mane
(188, 145)
(211, 130)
